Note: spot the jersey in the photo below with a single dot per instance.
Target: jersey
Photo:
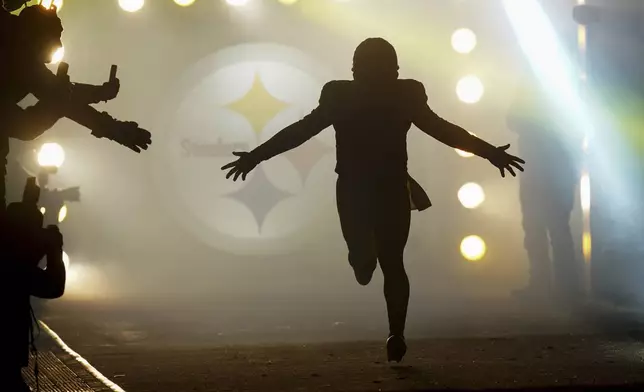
(371, 121)
(371, 124)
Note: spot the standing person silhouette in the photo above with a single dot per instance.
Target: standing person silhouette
(371, 116)
(547, 194)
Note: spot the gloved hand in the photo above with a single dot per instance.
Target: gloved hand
(126, 133)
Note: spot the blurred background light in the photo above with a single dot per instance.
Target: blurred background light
(49, 3)
(131, 5)
(58, 55)
(237, 3)
(184, 3)
(62, 214)
(463, 41)
(471, 195)
(51, 155)
(473, 248)
(470, 89)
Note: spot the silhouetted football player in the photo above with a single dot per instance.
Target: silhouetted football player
(371, 116)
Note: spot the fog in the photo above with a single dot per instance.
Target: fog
(166, 232)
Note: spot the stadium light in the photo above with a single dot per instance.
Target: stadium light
(184, 3)
(470, 89)
(131, 5)
(51, 155)
(463, 41)
(471, 195)
(473, 248)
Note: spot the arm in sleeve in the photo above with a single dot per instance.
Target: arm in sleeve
(297, 133)
(30, 123)
(442, 130)
(47, 87)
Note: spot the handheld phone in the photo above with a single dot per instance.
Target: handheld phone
(113, 72)
(31, 194)
(63, 69)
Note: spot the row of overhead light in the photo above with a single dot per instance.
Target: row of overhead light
(136, 5)
(469, 90)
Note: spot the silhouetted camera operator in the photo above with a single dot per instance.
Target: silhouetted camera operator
(24, 244)
(27, 43)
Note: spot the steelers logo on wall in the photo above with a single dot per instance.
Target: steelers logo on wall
(235, 100)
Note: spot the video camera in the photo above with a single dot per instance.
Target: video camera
(26, 238)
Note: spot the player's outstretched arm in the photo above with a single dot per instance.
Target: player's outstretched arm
(49, 88)
(287, 139)
(456, 137)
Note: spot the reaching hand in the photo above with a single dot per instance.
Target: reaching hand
(109, 90)
(504, 161)
(241, 167)
(126, 133)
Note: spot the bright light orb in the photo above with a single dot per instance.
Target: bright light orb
(62, 214)
(288, 2)
(470, 89)
(184, 3)
(237, 3)
(51, 155)
(463, 41)
(473, 248)
(471, 195)
(58, 55)
(43, 210)
(49, 3)
(131, 5)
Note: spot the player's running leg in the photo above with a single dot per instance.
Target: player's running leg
(356, 220)
(392, 231)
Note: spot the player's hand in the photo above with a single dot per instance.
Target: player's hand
(241, 167)
(109, 90)
(129, 134)
(504, 161)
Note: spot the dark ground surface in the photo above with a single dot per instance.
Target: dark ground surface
(143, 350)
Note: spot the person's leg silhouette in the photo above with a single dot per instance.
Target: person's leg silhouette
(567, 267)
(393, 216)
(355, 208)
(533, 207)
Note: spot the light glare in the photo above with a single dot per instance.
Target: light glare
(62, 214)
(51, 155)
(48, 3)
(58, 55)
(471, 195)
(470, 89)
(463, 41)
(473, 248)
(131, 5)
(584, 192)
(237, 3)
(184, 3)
